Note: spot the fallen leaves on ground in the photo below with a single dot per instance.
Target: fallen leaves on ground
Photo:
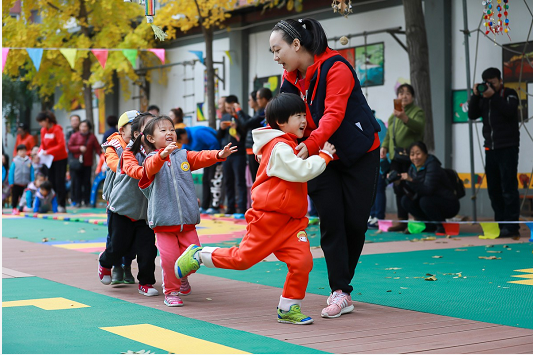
(489, 257)
(430, 277)
(437, 256)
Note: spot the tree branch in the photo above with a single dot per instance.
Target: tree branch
(54, 7)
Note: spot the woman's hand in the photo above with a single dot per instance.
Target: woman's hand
(227, 151)
(303, 151)
(168, 149)
(83, 149)
(406, 177)
(383, 153)
(225, 124)
(330, 148)
(401, 115)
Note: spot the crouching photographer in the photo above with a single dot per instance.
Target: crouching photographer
(429, 195)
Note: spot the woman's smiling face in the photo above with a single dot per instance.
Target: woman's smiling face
(284, 53)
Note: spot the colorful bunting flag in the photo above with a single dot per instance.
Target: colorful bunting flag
(36, 54)
(5, 51)
(131, 54)
(70, 54)
(160, 53)
(229, 57)
(199, 54)
(101, 56)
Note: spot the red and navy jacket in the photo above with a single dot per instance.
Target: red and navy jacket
(342, 116)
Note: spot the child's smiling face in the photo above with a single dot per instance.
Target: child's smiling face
(164, 134)
(295, 125)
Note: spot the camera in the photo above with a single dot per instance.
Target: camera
(393, 176)
(482, 87)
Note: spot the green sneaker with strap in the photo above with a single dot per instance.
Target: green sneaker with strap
(293, 316)
(187, 263)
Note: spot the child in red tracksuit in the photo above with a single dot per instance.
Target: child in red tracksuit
(276, 221)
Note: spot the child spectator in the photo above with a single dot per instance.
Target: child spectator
(113, 149)
(45, 199)
(276, 221)
(28, 196)
(5, 180)
(20, 175)
(38, 167)
(172, 204)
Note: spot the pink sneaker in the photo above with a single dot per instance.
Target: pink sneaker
(103, 273)
(173, 300)
(15, 212)
(185, 287)
(338, 304)
(148, 290)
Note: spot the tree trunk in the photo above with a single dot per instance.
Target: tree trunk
(208, 38)
(417, 48)
(86, 70)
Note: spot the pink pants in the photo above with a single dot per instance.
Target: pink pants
(171, 245)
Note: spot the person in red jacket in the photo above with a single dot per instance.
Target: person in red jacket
(53, 143)
(24, 137)
(276, 221)
(337, 112)
(82, 143)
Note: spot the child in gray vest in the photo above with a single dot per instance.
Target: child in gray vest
(127, 221)
(26, 200)
(168, 185)
(20, 175)
(45, 199)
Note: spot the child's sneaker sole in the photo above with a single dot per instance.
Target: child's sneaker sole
(173, 304)
(343, 311)
(296, 323)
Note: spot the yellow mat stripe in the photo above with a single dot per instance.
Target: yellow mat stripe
(80, 245)
(525, 276)
(48, 304)
(525, 270)
(522, 282)
(170, 341)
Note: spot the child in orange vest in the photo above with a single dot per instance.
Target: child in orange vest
(276, 221)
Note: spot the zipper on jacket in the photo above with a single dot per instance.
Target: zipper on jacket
(491, 128)
(177, 194)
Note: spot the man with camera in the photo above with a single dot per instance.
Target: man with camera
(498, 106)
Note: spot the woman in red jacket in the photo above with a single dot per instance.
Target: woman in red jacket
(24, 137)
(53, 143)
(337, 112)
(82, 143)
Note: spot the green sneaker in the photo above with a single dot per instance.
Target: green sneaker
(128, 276)
(294, 316)
(186, 263)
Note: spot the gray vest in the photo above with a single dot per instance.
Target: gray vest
(171, 195)
(110, 174)
(22, 171)
(45, 202)
(126, 198)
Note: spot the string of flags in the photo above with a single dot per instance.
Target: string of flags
(101, 54)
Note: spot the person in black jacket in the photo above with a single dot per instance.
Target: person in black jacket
(498, 106)
(263, 96)
(430, 195)
(235, 167)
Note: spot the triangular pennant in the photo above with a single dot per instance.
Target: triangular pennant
(36, 54)
(160, 53)
(131, 54)
(5, 51)
(229, 57)
(199, 54)
(70, 54)
(101, 55)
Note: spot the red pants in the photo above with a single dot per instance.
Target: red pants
(171, 245)
(267, 233)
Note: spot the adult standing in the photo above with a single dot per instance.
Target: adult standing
(112, 122)
(53, 143)
(176, 115)
(262, 97)
(74, 126)
(406, 126)
(199, 138)
(24, 137)
(83, 143)
(498, 106)
(235, 165)
(337, 112)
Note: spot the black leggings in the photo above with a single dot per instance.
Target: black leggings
(343, 196)
(57, 177)
(431, 208)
